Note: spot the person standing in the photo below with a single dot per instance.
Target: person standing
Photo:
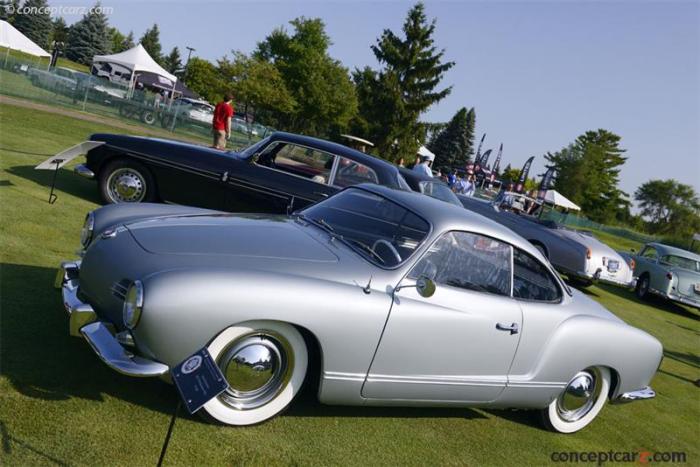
(221, 123)
(423, 167)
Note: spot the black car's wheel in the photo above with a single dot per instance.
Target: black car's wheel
(642, 287)
(126, 181)
(579, 403)
(264, 364)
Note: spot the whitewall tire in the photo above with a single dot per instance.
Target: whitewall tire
(580, 402)
(264, 363)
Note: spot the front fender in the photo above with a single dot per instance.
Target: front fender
(584, 341)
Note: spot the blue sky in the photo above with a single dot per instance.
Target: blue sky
(538, 73)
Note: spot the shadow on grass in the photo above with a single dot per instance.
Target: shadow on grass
(66, 182)
(656, 302)
(685, 358)
(9, 442)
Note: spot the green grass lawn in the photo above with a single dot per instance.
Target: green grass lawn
(60, 405)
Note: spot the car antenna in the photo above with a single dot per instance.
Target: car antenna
(366, 289)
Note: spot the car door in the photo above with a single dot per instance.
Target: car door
(285, 176)
(458, 344)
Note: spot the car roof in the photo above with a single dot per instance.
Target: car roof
(334, 148)
(672, 250)
(445, 216)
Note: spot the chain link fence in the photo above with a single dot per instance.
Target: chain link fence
(76, 90)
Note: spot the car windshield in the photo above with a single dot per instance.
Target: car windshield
(681, 262)
(378, 229)
(440, 191)
(250, 150)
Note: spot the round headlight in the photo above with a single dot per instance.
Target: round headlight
(133, 305)
(88, 228)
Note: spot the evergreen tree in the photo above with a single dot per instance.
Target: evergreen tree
(89, 37)
(35, 22)
(128, 41)
(451, 144)
(151, 42)
(588, 174)
(117, 39)
(393, 98)
(470, 135)
(59, 30)
(173, 62)
(8, 10)
(319, 84)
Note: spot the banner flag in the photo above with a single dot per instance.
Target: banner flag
(523, 175)
(477, 159)
(497, 164)
(546, 182)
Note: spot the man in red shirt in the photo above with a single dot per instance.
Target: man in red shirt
(221, 124)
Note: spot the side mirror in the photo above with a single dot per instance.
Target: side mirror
(425, 287)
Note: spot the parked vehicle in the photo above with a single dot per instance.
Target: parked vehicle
(669, 272)
(409, 300)
(280, 173)
(578, 254)
(60, 80)
(429, 186)
(187, 111)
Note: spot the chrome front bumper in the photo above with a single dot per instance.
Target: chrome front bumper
(638, 395)
(100, 335)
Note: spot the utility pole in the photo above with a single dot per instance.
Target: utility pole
(189, 54)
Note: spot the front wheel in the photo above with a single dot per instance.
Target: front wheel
(579, 403)
(126, 181)
(642, 287)
(264, 364)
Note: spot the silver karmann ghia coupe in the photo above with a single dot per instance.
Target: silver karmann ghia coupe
(401, 298)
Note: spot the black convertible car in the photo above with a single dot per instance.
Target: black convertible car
(280, 173)
(430, 186)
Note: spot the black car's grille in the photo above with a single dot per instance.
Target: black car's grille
(120, 288)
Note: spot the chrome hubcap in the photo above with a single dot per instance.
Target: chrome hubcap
(579, 396)
(257, 367)
(126, 186)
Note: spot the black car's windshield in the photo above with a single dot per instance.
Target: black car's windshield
(250, 150)
(440, 191)
(376, 228)
(681, 262)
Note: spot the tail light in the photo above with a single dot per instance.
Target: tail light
(669, 276)
(588, 253)
(633, 264)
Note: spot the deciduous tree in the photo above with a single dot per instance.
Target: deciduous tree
(670, 207)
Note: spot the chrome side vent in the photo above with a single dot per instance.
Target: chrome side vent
(120, 288)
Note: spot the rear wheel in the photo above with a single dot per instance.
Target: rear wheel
(642, 287)
(264, 364)
(126, 181)
(580, 402)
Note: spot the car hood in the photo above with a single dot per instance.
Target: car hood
(249, 236)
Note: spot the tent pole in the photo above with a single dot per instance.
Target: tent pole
(7, 54)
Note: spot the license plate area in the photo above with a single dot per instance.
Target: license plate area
(613, 265)
(696, 288)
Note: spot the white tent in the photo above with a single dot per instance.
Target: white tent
(425, 152)
(11, 38)
(136, 59)
(557, 199)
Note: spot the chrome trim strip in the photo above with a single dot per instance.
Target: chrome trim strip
(114, 356)
(339, 376)
(638, 395)
(434, 379)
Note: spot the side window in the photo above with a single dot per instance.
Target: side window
(299, 160)
(650, 253)
(531, 280)
(353, 173)
(468, 261)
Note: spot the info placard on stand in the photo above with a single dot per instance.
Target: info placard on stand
(62, 158)
(198, 380)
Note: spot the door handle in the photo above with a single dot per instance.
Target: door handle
(513, 327)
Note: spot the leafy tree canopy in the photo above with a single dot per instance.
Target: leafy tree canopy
(319, 85)
(670, 207)
(588, 174)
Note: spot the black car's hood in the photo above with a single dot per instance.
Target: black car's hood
(158, 146)
(251, 236)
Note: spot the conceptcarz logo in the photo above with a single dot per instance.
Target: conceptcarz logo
(56, 10)
(601, 457)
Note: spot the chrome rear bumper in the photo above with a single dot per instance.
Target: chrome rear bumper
(638, 395)
(85, 323)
